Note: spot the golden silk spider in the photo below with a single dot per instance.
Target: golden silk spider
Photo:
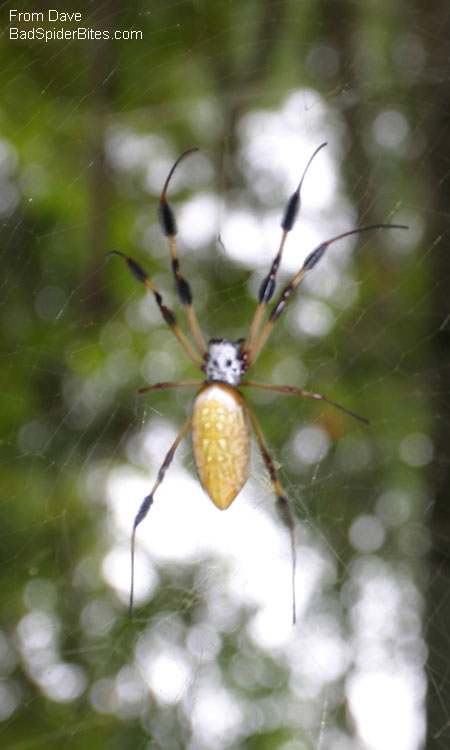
(220, 419)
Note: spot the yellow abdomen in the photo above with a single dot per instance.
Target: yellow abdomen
(221, 442)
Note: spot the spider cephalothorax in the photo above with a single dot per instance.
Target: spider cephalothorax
(224, 361)
(220, 419)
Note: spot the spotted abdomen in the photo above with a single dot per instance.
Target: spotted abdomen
(221, 442)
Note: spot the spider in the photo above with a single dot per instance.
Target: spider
(220, 419)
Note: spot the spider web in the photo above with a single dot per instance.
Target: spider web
(211, 659)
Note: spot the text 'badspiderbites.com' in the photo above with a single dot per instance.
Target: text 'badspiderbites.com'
(29, 29)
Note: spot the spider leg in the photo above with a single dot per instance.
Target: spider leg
(163, 387)
(169, 227)
(312, 259)
(301, 392)
(142, 276)
(282, 503)
(267, 287)
(148, 500)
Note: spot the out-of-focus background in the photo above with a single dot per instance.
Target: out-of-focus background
(89, 129)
